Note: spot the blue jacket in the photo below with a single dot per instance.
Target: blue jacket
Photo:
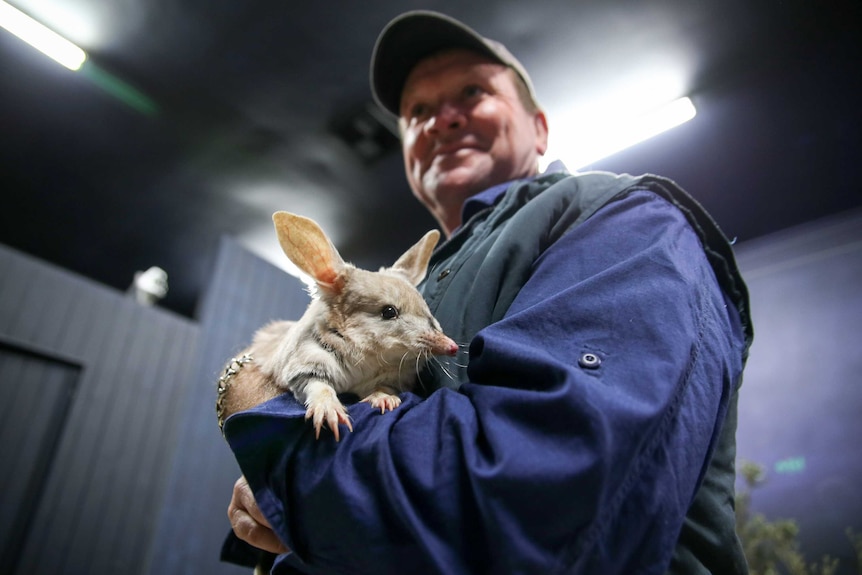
(590, 429)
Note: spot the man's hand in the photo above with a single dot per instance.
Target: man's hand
(248, 522)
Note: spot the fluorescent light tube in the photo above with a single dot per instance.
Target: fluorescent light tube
(40, 37)
(604, 138)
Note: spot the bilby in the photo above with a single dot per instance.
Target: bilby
(365, 333)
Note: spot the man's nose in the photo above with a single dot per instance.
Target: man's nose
(447, 117)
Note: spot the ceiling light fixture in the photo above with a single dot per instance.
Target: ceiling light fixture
(599, 139)
(40, 37)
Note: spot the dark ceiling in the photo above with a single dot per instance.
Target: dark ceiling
(198, 118)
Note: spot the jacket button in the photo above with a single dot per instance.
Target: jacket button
(443, 274)
(589, 361)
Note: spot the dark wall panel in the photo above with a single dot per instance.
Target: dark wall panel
(800, 404)
(37, 391)
(245, 292)
(106, 478)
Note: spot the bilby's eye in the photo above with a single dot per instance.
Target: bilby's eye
(389, 312)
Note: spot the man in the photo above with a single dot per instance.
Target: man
(592, 427)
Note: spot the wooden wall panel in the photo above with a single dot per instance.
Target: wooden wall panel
(107, 476)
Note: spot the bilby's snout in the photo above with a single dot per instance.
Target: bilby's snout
(441, 344)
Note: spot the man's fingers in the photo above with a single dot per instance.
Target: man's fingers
(244, 499)
(254, 533)
(248, 522)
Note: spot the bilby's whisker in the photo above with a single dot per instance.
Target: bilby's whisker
(419, 362)
(401, 363)
(443, 369)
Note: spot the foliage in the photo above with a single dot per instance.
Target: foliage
(771, 547)
(856, 541)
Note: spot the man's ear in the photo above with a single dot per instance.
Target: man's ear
(541, 124)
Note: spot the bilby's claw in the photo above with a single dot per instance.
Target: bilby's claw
(383, 400)
(330, 412)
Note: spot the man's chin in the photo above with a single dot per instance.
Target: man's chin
(461, 180)
(455, 188)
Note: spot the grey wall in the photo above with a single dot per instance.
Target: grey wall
(800, 410)
(245, 292)
(90, 383)
(112, 460)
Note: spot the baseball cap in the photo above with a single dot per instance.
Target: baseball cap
(417, 34)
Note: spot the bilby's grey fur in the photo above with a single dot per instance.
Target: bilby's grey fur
(364, 332)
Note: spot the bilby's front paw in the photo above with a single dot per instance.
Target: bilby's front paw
(383, 401)
(329, 410)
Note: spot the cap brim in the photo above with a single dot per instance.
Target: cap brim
(408, 39)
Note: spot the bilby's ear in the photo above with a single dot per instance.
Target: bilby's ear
(414, 262)
(305, 244)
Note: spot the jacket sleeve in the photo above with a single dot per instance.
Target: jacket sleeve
(577, 446)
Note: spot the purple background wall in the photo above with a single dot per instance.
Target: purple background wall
(801, 401)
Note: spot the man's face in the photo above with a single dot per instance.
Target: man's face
(465, 129)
